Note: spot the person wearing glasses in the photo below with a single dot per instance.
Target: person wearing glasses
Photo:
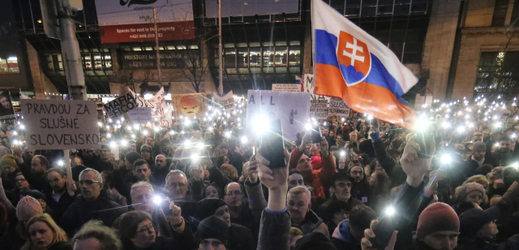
(177, 189)
(90, 205)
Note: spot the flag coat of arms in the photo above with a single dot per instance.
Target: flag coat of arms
(352, 65)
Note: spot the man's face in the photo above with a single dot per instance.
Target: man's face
(90, 188)
(10, 169)
(87, 244)
(142, 197)
(21, 183)
(223, 214)
(149, 141)
(211, 244)
(295, 180)
(31, 152)
(504, 146)
(36, 167)
(331, 134)
(160, 162)
(353, 136)
(338, 139)
(224, 151)
(443, 240)
(105, 154)
(145, 235)
(479, 155)
(356, 173)
(176, 185)
(234, 195)
(142, 172)
(298, 205)
(477, 138)
(56, 182)
(325, 131)
(133, 147)
(76, 161)
(304, 164)
(342, 190)
(145, 154)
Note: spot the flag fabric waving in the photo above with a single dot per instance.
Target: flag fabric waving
(353, 65)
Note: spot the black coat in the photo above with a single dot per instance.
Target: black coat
(58, 208)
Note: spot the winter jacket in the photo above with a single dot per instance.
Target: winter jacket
(477, 243)
(82, 211)
(240, 238)
(274, 230)
(318, 179)
(59, 208)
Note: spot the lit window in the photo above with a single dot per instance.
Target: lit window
(12, 64)
(137, 49)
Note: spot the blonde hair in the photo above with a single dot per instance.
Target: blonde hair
(481, 179)
(58, 234)
(229, 171)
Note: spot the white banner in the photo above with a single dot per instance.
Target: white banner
(286, 87)
(158, 103)
(60, 124)
(140, 115)
(225, 102)
(293, 109)
(167, 118)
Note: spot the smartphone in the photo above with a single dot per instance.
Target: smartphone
(383, 231)
(316, 135)
(273, 146)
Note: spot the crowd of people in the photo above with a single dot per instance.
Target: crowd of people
(450, 183)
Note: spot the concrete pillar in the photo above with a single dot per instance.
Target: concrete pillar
(439, 44)
(508, 18)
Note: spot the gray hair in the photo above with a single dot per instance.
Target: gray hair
(176, 171)
(141, 184)
(98, 177)
(106, 236)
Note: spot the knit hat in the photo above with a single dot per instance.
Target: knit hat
(479, 146)
(212, 228)
(314, 240)
(133, 156)
(36, 194)
(207, 207)
(474, 219)
(464, 190)
(435, 218)
(8, 160)
(146, 147)
(27, 207)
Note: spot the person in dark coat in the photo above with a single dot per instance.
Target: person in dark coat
(90, 205)
(60, 197)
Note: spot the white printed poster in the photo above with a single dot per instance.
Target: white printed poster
(292, 109)
(225, 102)
(286, 87)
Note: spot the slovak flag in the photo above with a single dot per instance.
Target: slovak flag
(352, 65)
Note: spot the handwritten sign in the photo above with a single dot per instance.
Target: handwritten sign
(286, 87)
(60, 124)
(225, 102)
(291, 108)
(338, 107)
(319, 108)
(120, 105)
(140, 115)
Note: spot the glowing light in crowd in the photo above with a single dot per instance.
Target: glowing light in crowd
(446, 124)
(133, 136)
(515, 165)
(260, 124)
(195, 157)
(124, 143)
(172, 132)
(136, 126)
(187, 143)
(497, 124)
(187, 122)
(200, 145)
(145, 132)
(108, 135)
(113, 144)
(389, 211)
(446, 159)
(227, 134)
(156, 129)
(461, 129)
(421, 124)
(308, 126)
(244, 140)
(60, 163)
(343, 153)
(22, 127)
(157, 199)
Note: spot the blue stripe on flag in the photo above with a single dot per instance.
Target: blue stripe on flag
(325, 48)
(380, 76)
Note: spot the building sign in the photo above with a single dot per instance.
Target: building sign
(132, 20)
(292, 109)
(148, 60)
(251, 7)
(286, 87)
(60, 124)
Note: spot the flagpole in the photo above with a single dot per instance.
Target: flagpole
(220, 50)
(157, 46)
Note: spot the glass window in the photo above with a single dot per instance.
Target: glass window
(87, 61)
(338, 5)
(255, 57)
(12, 64)
(98, 64)
(281, 43)
(280, 58)
(500, 9)
(255, 44)
(229, 58)
(243, 58)
(148, 48)
(181, 47)
(295, 43)
(50, 63)
(107, 61)
(170, 47)
(294, 56)
(57, 59)
(497, 73)
(137, 49)
(3, 66)
(193, 46)
(268, 57)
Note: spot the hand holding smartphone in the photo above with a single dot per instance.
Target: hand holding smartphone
(273, 146)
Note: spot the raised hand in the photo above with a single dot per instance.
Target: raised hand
(175, 217)
(414, 166)
(323, 147)
(368, 235)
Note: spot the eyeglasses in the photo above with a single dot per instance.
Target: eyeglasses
(87, 182)
(20, 180)
(149, 228)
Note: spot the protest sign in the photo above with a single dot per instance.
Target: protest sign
(319, 108)
(167, 118)
(60, 124)
(286, 87)
(6, 106)
(225, 102)
(338, 107)
(189, 104)
(140, 115)
(291, 108)
(158, 103)
(120, 105)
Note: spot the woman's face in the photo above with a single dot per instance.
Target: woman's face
(474, 197)
(145, 235)
(5, 103)
(223, 214)
(211, 192)
(41, 235)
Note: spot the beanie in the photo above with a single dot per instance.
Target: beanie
(146, 147)
(212, 228)
(36, 194)
(8, 160)
(479, 146)
(208, 207)
(435, 218)
(132, 156)
(315, 240)
(27, 207)
(464, 190)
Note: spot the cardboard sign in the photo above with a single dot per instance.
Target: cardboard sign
(120, 105)
(286, 87)
(140, 115)
(319, 108)
(338, 107)
(225, 102)
(293, 109)
(60, 124)
(189, 104)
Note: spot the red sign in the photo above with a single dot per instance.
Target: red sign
(146, 32)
